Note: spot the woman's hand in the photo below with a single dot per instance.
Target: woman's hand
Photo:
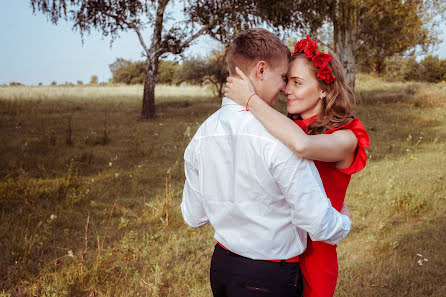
(345, 211)
(239, 89)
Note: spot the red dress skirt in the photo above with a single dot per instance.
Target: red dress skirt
(319, 262)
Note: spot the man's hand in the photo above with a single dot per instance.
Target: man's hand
(344, 210)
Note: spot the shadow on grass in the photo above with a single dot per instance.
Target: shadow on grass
(396, 127)
(415, 267)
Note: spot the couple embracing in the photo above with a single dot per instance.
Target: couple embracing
(262, 179)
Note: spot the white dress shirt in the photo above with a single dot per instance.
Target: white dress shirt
(258, 195)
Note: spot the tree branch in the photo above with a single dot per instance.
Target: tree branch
(132, 26)
(141, 40)
(187, 42)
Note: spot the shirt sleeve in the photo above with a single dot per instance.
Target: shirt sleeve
(302, 187)
(192, 207)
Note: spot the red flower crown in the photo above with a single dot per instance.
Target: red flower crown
(320, 59)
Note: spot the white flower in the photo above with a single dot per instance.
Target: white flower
(419, 255)
(52, 217)
(70, 254)
(420, 262)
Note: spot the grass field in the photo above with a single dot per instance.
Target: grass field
(89, 195)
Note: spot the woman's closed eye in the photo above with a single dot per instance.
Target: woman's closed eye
(296, 82)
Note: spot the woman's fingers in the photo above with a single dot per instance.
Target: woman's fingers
(241, 73)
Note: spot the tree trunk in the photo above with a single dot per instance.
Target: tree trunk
(148, 101)
(345, 19)
(345, 46)
(220, 90)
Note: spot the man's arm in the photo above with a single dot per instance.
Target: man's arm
(192, 208)
(302, 187)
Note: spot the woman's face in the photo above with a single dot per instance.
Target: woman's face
(302, 90)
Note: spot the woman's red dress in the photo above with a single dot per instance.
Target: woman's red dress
(319, 262)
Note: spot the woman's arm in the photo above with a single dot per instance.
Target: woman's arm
(336, 147)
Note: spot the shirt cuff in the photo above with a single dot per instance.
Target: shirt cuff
(345, 229)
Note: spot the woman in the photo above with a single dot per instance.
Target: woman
(319, 101)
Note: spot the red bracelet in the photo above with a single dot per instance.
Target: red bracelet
(248, 101)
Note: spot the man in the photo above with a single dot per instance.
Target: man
(260, 198)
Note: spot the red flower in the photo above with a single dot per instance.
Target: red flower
(326, 75)
(310, 48)
(299, 47)
(320, 60)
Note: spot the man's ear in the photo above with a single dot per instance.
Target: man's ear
(260, 69)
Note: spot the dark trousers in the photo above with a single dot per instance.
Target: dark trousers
(236, 276)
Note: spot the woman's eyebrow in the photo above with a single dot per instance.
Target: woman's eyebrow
(296, 77)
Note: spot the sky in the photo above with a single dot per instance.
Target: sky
(33, 50)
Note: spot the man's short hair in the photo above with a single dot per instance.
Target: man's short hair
(255, 45)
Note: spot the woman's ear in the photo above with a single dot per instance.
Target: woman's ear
(260, 69)
(322, 94)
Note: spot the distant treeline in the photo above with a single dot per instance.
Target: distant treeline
(430, 69)
(200, 70)
(213, 69)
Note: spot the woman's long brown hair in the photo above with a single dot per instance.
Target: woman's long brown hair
(337, 105)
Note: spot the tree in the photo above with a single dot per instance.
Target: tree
(112, 17)
(361, 30)
(433, 69)
(212, 69)
(167, 72)
(128, 72)
(94, 80)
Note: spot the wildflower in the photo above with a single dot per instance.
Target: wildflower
(70, 254)
(53, 217)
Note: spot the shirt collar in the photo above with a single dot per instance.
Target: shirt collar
(227, 101)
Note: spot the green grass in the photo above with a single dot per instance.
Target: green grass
(89, 195)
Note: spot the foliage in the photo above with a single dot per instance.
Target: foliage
(167, 72)
(430, 69)
(127, 72)
(364, 32)
(212, 69)
(130, 73)
(94, 80)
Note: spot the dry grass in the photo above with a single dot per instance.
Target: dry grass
(109, 93)
(89, 196)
